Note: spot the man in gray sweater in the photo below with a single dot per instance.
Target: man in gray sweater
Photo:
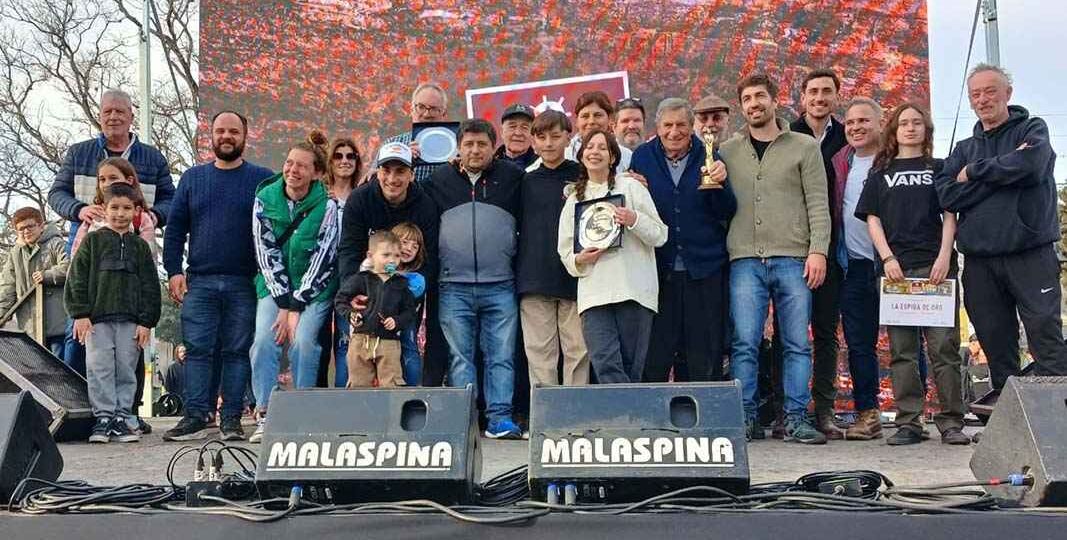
(777, 242)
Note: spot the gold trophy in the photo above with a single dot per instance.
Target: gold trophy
(709, 161)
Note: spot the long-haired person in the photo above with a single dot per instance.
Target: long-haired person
(344, 166)
(618, 288)
(914, 239)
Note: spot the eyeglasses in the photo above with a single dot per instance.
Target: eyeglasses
(630, 103)
(26, 228)
(350, 156)
(427, 109)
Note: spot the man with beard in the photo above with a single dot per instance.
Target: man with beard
(778, 243)
(712, 116)
(820, 98)
(630, 122)
(213, 211)
(517, 144)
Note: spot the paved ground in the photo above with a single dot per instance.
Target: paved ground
(771, 460)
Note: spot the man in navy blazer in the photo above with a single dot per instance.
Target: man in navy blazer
(689, 331)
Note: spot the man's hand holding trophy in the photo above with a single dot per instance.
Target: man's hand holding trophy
(713, 173)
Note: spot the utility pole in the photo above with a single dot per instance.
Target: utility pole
(145, 124)
(992, 36)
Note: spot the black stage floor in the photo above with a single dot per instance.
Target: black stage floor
(772, 524)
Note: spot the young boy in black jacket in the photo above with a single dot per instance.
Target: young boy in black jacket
(548, 309)
(374, 349)
(113, 295)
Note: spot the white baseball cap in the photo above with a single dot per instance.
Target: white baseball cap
(394, 151)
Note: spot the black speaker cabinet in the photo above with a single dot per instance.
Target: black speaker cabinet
(26, 447)
(344, 446)
(626, 442)
(1027, 433)
(26, 365)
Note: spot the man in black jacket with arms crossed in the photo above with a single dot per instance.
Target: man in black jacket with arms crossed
(1000, 183)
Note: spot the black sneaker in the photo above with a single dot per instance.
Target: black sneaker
(188, 429)
(905, 435)
(754, 431)
(144, 427)
(121, 432)
(231, 429)
(101, 431)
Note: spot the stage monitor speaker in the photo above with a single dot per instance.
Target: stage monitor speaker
(26, 365)
(627, 442)
(346, 446)
(26, 447)
(1027, 433)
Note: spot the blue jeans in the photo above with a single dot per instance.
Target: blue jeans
(304, 350)
(753, 284)
(412, 362)
(340, 350)
(859, 316)
(218, 318)
(73, 352)
(485, 315)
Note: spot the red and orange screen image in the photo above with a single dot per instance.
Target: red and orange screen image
(348, 67)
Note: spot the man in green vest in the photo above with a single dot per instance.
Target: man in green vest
(295, 230)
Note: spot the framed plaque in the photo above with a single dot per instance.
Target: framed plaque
(594, 223)
(437, 141)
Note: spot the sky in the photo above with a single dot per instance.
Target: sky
(1031, 49)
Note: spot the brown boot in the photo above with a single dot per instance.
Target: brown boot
(868, 426)
(824, 422)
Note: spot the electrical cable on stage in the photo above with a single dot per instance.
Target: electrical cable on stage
(505, 498)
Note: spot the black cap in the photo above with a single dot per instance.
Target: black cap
(518, 109)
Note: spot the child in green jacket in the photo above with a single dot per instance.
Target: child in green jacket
(113, 295)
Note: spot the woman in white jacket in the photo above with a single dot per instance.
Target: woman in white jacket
(617, 288)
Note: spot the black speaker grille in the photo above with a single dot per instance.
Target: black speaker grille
(47, 373)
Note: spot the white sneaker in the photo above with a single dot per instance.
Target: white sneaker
(257, 435)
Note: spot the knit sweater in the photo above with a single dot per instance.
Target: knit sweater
(782, 208)
(211, 209)
(624, 273)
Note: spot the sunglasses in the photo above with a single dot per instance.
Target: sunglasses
(350, 156)
(629, 103)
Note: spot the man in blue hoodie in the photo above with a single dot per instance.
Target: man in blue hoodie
(1000, 183)
(690, 327)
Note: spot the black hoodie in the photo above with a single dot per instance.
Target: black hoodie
(367, 211)
(540, 270)
(1008, 204)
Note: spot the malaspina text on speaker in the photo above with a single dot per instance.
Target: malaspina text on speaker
(379, 455)
(637, 452)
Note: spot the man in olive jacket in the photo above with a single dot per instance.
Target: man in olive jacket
(777, 242)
